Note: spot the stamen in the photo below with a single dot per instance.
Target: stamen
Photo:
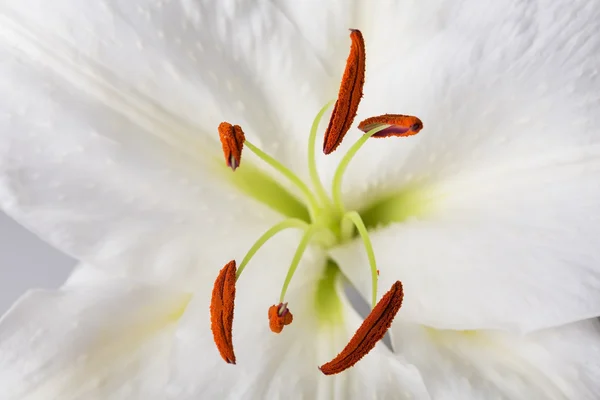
(399, 125)
(336, 186)
(288, 223)
(351, 91)
(313, 205)
(355, 218)
(221, 311)
(279, 316)
(232, 140)
(370, 332)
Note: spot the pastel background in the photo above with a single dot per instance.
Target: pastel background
(27, 262)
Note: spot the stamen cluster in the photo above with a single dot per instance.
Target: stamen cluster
(233, 140)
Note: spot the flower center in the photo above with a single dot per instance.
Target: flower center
(322, 218)
(329, 222)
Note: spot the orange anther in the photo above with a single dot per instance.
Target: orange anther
(369, 333)
(351, 91)
(400, 125)
(232, 140)
(279, 316)
(221, 311)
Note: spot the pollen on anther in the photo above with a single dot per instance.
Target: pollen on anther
(398, 125)
(221, 311)
(232, 140)
(351, 91)
(369, 333)
(279, 316)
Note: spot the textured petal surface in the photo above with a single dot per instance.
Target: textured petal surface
(463, 274)
(98, 339)
(103, 341)
(268, 66)
(557, 364)
(103, 188)
(109, 119)
(201, 60)
(500, 83)
(506, 172)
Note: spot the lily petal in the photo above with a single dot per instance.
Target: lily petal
(203, 62)
(102, 342)
(555, 364)
(99, 186)
(501, 83)
(478, 270)
(505, 173)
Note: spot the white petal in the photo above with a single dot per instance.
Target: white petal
(478, 271)
(508, 164)
(202, 61)
(89, 342)
(500, 83)
(102, 188)
(557, 364)
(84, 274)
(390, 29)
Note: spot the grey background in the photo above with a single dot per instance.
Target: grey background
(27, 262)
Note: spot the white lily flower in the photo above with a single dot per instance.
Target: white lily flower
(490, 217)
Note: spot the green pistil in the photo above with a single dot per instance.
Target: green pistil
(336, 187)
(313, 205)
(288, 223)
(327, 302)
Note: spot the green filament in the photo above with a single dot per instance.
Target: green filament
(297, 257)
(275, 229)
(355, 218)
(312, 162)
(336, 187)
